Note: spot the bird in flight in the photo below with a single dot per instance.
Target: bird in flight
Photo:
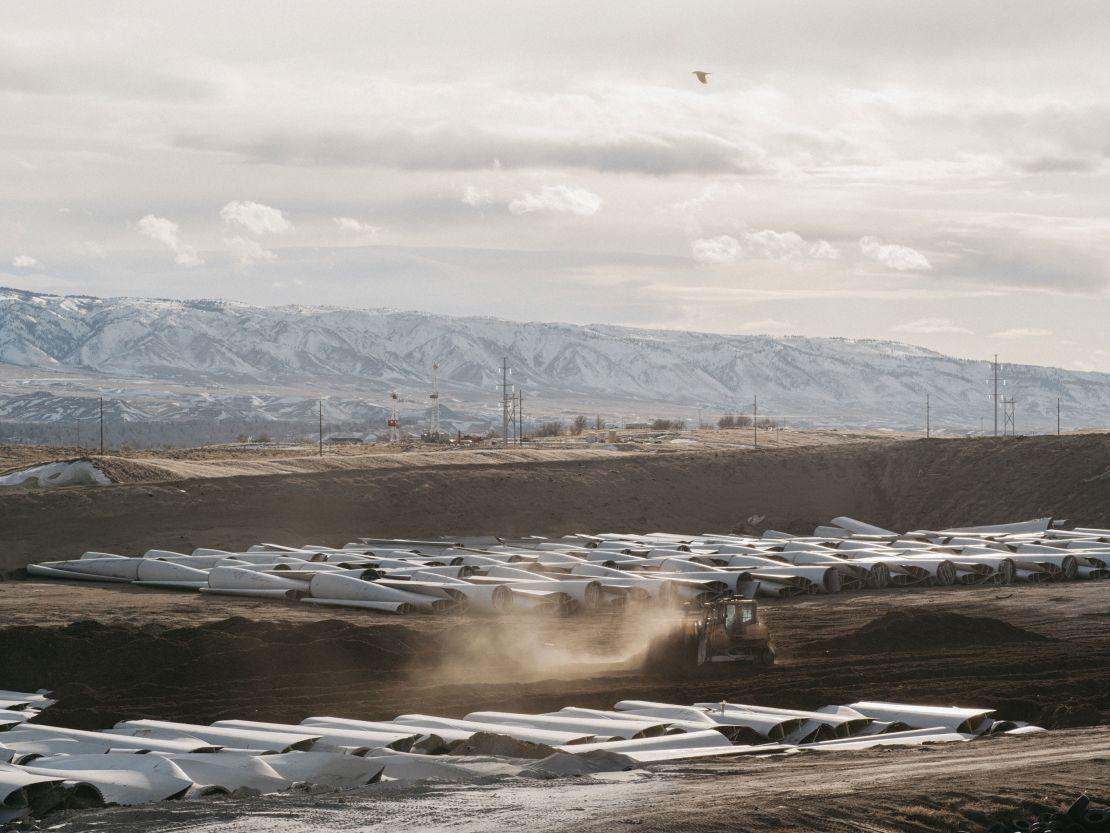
(702, 76)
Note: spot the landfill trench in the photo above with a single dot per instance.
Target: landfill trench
(1038, 653)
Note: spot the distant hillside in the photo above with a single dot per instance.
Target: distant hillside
(819, 380)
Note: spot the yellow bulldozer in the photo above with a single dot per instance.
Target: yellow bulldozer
(723, 630)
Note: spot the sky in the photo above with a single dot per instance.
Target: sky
(932, 172)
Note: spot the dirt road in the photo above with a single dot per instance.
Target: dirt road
(901, 485)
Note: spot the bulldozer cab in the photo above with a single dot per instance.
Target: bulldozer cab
(738, 615)
(731, 632)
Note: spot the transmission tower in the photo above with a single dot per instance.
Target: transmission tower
(394, 423)
(513, 422)
(506, 402)
(995, 394)
(1009, 425)
(433, 427)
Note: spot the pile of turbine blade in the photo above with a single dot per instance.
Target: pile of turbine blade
(590, 572)
(44, 768)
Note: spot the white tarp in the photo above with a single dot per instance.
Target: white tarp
(60, 473)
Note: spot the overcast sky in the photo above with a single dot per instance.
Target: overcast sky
(930, 172)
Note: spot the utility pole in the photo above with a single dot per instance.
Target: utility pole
(320, 414)
(980, 426)
(102, 426)
(755, 420)
(520, 417)
(1057, 416)
(928, 429)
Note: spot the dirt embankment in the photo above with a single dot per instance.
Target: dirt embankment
(901, 485)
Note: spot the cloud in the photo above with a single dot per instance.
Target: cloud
(823, 250)
(1021, 259)
(1022, 332)
(49, 69)
(1059, 164)
(166, 232)
(356, 226)
(723, 249)
(255, 217)
(901, 258)
(90, 248)
(248, 252)
(931, 326)
(768, 325)
(764, 245)
(468, 148)
(558, 199)
(25, 262)
(714, 192)
(476, 197)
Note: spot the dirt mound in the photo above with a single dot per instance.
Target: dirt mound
(912, 630)
(128, 470)
(229, 668)
(491, 743)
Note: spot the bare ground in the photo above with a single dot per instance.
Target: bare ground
(281, 458)
(113, 652)
(175, 656)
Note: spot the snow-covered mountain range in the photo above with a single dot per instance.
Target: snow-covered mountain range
(594, 368)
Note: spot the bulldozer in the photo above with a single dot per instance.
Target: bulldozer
(722, 630)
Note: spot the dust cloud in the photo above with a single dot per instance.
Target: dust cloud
(531, 647)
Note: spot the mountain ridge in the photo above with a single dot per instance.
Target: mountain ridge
(832, 381)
